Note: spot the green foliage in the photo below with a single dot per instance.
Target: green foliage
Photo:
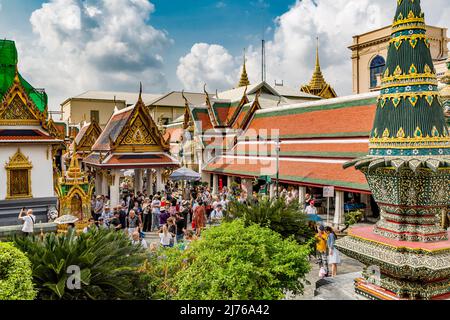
(353, 217)
(15, 274)
(286, 219)
(231, 262)
(107, 260)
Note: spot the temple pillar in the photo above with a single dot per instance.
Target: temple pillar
(339, 212)
(365, 198)
(98, 183)
(105, 186)
(272, 193)
(301, 196)
(138, 180)
(206, 177)
(215, 186)
(229, 181)
(247, 186)
(114, 189)
(149, 182)
(159, 183)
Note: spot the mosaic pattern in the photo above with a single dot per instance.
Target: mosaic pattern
(406, 272)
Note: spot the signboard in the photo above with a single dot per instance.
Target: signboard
(328, 192)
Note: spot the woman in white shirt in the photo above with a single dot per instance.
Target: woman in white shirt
(311, 209)
(28, 221)
(165, 236)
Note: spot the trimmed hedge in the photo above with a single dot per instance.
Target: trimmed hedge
(15, 274)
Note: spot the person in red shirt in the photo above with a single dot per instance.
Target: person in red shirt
(199, 218)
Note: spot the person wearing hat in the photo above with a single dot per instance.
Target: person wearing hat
(107, 215)
(156, 211)
(321, 249)
(98, 208)
(101, 223)
(311, 209)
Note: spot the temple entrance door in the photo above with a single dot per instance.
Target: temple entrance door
(76, 207)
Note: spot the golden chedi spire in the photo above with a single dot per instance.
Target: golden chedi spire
(318, 86)
(74, 171)
(243, 81)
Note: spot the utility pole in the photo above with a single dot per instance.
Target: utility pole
(278, 166)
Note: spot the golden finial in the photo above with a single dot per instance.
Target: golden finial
(16, 76)
(244, 77)
(140, 92)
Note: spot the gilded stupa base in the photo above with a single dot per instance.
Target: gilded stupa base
(398, 270)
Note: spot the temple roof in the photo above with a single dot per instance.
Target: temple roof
(312, 151)
(318, 86)
(131, 139)
(112, 130)
(132, 160)
(8, 69)
(26, 135)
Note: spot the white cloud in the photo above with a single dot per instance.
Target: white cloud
(210, 64)
(94, 44)
(220, 5)
(291, 52)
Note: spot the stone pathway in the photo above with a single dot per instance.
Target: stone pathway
(347, 266)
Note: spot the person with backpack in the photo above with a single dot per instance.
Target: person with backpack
(28, 221)
(217, 214)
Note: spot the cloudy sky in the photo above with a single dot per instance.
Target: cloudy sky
(70, 46)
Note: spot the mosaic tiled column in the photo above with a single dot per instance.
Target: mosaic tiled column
(408, 171)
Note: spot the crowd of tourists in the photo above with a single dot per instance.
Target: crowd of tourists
(178, 216)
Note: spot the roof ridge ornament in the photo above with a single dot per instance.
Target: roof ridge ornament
(244, 81)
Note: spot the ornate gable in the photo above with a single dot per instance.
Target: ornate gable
(140, 133)
(236, 113)
(17, 109)
(89, 138)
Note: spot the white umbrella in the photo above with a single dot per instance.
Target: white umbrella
(185, 174)
(66, 219)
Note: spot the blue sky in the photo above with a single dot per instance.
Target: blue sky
(70, 46)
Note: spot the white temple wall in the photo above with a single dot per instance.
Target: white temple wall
(40, 157)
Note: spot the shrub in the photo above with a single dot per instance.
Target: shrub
(231, 262)
(286, 219)
(107, 260)
(15, 274)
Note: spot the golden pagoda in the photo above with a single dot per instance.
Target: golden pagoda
(318, 86)
(74, 191)
(243, 81)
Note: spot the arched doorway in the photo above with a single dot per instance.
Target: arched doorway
(76, 207)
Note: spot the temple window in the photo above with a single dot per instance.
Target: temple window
(18, 172)
(376, 68)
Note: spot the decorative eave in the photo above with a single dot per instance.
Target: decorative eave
(434, 163)
(211, 114)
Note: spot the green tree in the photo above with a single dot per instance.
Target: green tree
(231, 262)
(107, 260)
(15, 274)
(286, 219)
